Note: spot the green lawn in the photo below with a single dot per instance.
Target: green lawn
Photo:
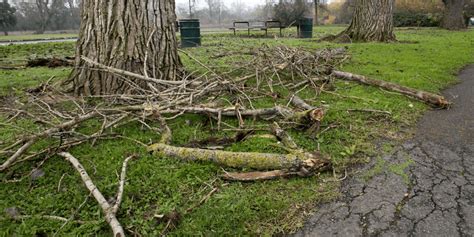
(426, 59)
(8, 38)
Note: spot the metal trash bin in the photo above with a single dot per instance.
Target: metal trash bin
(190, 33)
(305, 28)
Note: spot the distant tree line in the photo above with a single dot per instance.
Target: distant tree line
(215, 12)
(411, 13)
(40, 15)
(7, 17)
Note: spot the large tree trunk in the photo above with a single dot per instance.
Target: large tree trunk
(372, 21)
(453, 18)
(133, 35)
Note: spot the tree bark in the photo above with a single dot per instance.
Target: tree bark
(453, 18)
(135, 35)
(372, 21)
(316, 12)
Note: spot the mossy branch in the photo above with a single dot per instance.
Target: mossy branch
(298, 161)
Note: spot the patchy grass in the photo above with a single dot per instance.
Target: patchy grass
(9, 38)
(426, 59)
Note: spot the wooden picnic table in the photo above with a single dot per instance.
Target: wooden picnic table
(257, 25)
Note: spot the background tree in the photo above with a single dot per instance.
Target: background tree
(7, 17)
(343, 11)
(48, 11)
(316, 12)
(290, 11)
(372, 21)
(134, 35)
(453, 17)
(469, 11)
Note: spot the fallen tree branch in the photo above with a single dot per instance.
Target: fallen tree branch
(300, 103)
(135, 75)
(307, 117)
(283, 136)
(106, 208)
(257, 176)
(123, 175)
(297, 161)
(33, 139)
(429, 98)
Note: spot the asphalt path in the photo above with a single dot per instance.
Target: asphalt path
(436, 198)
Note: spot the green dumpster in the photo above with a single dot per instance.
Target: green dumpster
(190, 33)
(305, 28)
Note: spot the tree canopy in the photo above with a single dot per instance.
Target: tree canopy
(7, 16)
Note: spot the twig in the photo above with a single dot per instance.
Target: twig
(33, 139)
(121, 185)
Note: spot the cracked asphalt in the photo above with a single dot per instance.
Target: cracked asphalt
(436, 198)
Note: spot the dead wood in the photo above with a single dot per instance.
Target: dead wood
(50, 62)
(429, 98)
(257, 176)
(123, 176)
(283, 136)
(216, 141)
(307, 117)
(299, 161)
(106, 207)
(29, 141)
(134, 75)
(300, 103)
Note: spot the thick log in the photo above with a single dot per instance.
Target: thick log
(296, 161)
(429, 98)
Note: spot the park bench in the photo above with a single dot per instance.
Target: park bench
(256, 25)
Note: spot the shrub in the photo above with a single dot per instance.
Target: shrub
(416, 19)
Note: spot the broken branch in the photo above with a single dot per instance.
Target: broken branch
(295, 161)
(106, 208)
(429, 98)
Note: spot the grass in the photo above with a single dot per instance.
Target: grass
(8, 38)
(427, 59)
